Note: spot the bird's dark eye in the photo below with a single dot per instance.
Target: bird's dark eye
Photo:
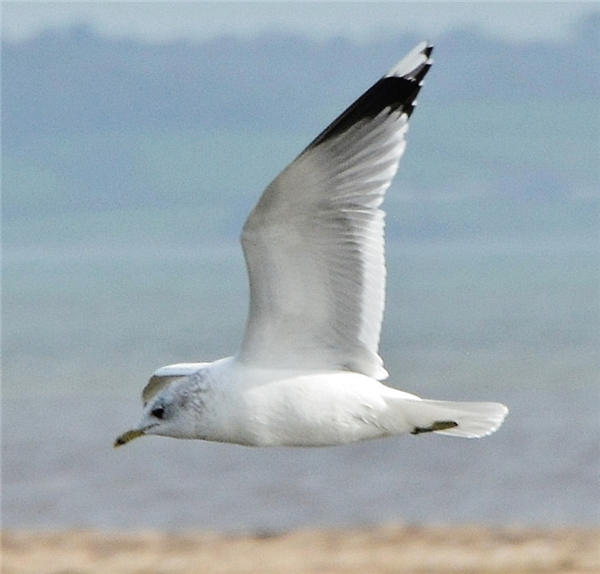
(158, 412)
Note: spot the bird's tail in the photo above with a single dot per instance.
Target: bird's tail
(469, 420)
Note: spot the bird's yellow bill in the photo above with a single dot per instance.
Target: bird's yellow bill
(127, 436)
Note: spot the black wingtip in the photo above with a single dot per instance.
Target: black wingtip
(392, 92)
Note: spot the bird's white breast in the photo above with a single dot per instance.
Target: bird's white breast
(286, 408)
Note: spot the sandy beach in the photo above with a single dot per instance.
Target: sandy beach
(382, 550)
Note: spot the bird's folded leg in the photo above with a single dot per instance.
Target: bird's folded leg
(436, 426)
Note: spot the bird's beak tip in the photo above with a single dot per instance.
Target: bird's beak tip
(127, 437)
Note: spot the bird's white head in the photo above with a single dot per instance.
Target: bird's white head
(173, 400)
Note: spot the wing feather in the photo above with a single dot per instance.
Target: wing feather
(314, 243)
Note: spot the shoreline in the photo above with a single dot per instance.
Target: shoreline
(392, 549)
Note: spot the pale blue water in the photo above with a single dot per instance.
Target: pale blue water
(515, 322)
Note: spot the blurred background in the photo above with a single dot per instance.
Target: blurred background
(135, 139)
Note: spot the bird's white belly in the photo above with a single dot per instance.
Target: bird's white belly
(313, 410)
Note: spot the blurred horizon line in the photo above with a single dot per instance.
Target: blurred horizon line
(584, 23)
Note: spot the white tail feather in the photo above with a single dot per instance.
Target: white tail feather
(473, 420)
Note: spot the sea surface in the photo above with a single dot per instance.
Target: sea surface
(514, 321)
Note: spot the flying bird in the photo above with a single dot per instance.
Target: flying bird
(308, 370)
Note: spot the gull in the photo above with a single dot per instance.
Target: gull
(308, 370)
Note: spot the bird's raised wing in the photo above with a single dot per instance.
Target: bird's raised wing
(314, 243)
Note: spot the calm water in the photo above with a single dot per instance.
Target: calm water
(513, 322)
